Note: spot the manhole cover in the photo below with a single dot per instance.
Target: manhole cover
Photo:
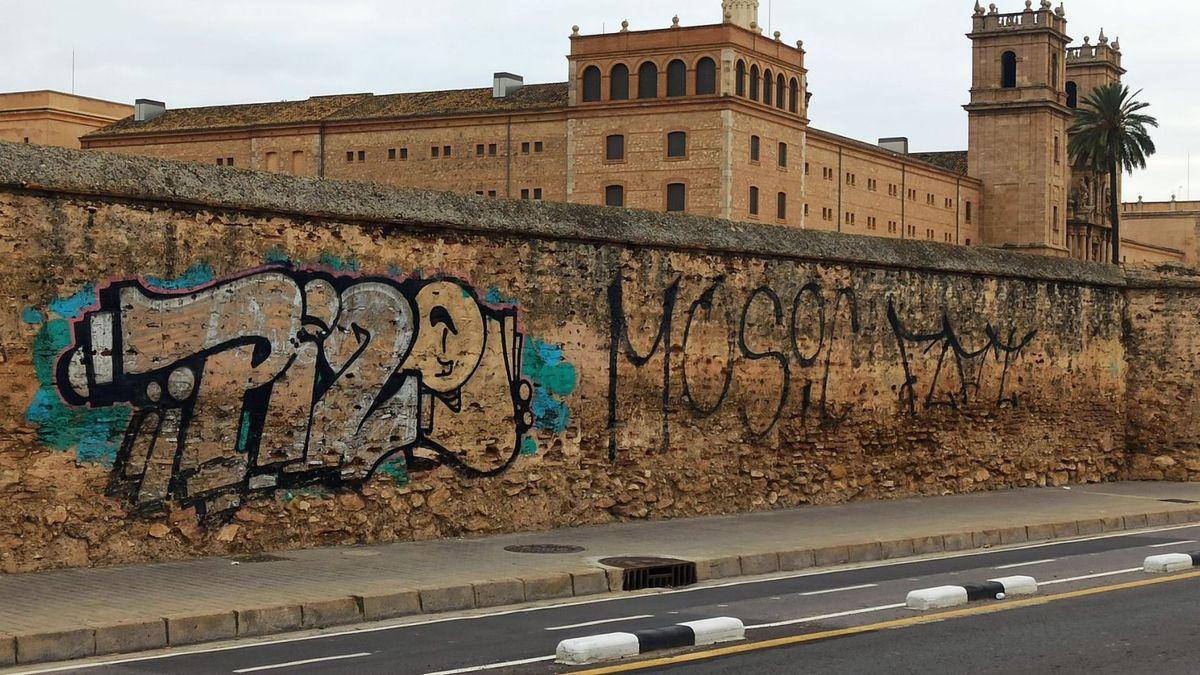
(1178, 501)
(551, 549)
(259, 558)
(645, 572)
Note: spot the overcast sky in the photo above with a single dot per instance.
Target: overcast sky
(876, 68)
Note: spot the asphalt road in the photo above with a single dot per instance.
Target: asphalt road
(778, 607)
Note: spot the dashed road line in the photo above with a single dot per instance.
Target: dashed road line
(601, 621)
(305, 662)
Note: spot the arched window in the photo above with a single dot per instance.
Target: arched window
(1008, 70)
(794, 99)
(614, 195)
(706, 77)
(618, 83)
(768, 87)
(648, 80)
(780, 87)
(754, 83)
(740, 85)
(1072, 95)
(591, 84)
(677, 78)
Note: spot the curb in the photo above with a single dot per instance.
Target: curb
(611, 646)
(1171, 562)
(953, 596)
(144, 633)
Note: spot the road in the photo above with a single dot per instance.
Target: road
(1135, 629)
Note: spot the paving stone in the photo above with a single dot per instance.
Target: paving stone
(864, 552)
(1066, 530)
(390, 605)
(330, 612)
(962, 541)
(719, 568)
(447, 599)
(499, 593)
(1094, 526)
(589, 583)
(56, 646)
(1113, 524)
(830, 556)
(987, 538)
(1158, 519)
(791, 561)
(194, 628)
(1013, 535)
(133, 636)
(760, 563)
(924, 545)
(1040, 532)
(269, 620)
(901, 548)
(8, 650)
(1135, 522)
(548, 587)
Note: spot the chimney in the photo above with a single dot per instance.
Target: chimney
(145, 110)
(898, 144)
(504, 84)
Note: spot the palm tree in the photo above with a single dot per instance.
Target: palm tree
(1109, 136)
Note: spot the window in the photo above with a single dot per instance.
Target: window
(479, 150)
(740, 85)
(26, 140)
(445, 151)
(614, 148)
(677, 78)
(794, 96)
(851, 179)
(1056, 217)
(676, 197)
(755, 83)
(1057, 150)
(780, 87)
(614, 195)
(1054, 71)
(492, 194)
(754, 201)
(968, 212)
(525, 193)
(435, 151)
(805, 209)
(403, 153)
(591, 84)
(893, 190)
(871, 223)
(755, 142)
(525, 148)
(537, 194)
(491, 149)
(891, 227)
(297, 161)
(768, 87)
(391, 154)
(781, 206)
(949, 203)
(538, 146)
(228, 161)
(1008, 70)
(807, 169)
(872, 184)
(648, 80)
(929, 234)
(783, 155)
(706, 76)
(479, 193)
(929, 198)
(349, 156)
(677, 144)
(362, 155)
(220, 161)
(272, 161)
(618, 83)
(1072, 95)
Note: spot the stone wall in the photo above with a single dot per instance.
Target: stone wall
(202, 361)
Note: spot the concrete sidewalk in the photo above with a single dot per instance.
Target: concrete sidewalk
(76, 613)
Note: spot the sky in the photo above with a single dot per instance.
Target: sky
(877, 68)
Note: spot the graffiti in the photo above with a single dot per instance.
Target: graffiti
(285, 378)
(953, 359)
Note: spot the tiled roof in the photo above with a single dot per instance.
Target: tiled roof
(345, 107)
(954, 161)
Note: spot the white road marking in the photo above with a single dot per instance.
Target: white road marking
(1173, 543)
(611, 598)
(597, 623)
(822, 617)
(289, 664)
(494, 666)
(1025, 564)
(839, 590)
(1090, 576)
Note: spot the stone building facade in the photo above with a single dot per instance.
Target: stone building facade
(709, 120)
(54, 118)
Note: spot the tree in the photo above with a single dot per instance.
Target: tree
(1109, 136)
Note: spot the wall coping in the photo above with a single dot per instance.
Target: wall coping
(106, 176)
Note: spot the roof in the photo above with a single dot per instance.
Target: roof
(954, 161)
(344, 108)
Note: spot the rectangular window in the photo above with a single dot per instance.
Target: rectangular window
(806, 210)
(446, 151)
(614, 148)
(435, 151)
(491, 149)
(362, 155)
(676, 197)
(220, 161)
(349, 155)
(781, 206)
(783, 155)
(754, 148)
(754, 201)
(807, 169)
(968, 212)
(614, 195)
(525, 148)
(492, 194)
(228, 161)
(538, 147)
(479, 193)
(677, 144)
(537, 194)
(403, 153)
(391, 154)
(479, 150)
(525, 193)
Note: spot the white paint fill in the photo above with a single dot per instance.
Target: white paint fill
(936, 598)
(595, 648)
(1167, 563)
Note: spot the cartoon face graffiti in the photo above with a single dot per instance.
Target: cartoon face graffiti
(283, 378)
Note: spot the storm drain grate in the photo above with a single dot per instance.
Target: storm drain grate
(1179, 501)
(642, 573)
(546, 549)
(258, 558)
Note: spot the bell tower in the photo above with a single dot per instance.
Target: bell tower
(1018, 118)
(742, 13)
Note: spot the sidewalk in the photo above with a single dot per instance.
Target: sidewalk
(75, 613)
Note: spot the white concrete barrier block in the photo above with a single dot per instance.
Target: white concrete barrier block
(1018, 585)
(595, 648)
(937, 598)
(1167, 563)
(713, 631)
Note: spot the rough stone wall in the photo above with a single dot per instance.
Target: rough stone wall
(201, 361)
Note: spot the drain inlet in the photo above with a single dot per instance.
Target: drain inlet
(643, 572)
